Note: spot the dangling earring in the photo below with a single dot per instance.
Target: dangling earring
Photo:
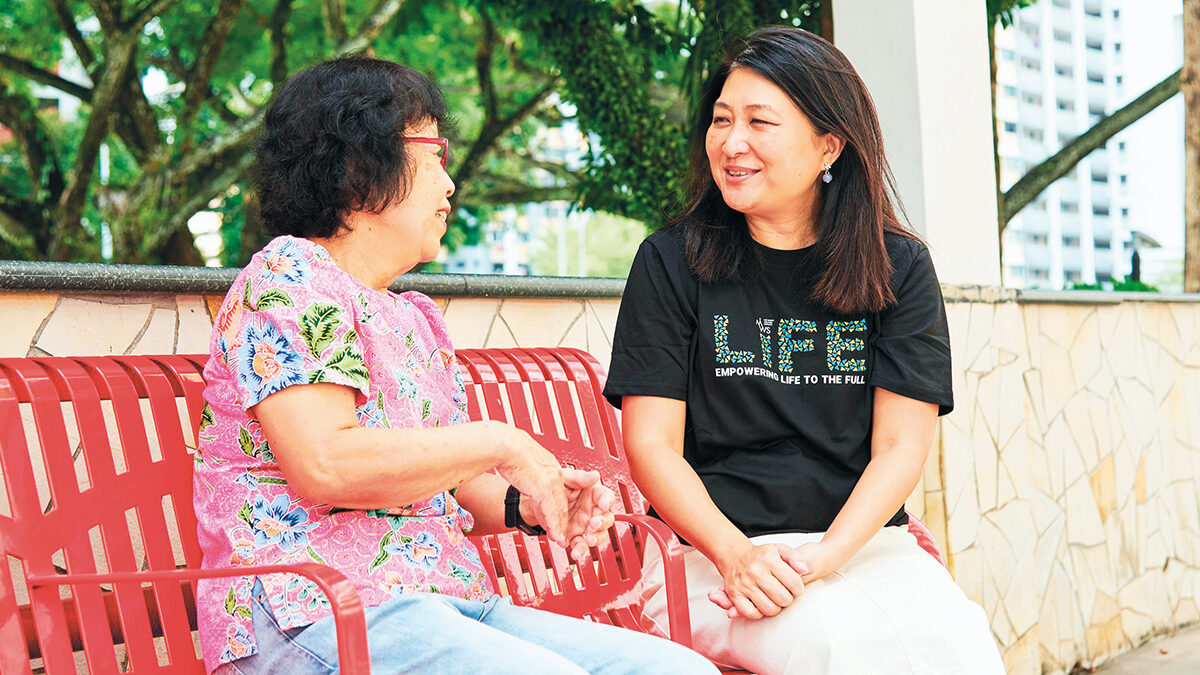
(827, 176)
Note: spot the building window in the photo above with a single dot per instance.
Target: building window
(1032, 99)
(1040, 204)
(1034, 135)
(1062, 36)
(1063, 139)
(1093, 110)
(1095, 77)
(1124, 179)
(1070, 207)
(1038, 239)
(1094, 46)
(1119, 79)
(1103, 244)
(1071, 275)
(1125, 212)
(1062, 70)
(1008, 54)
(1116, 14)
(1102, 277)
(1066, 105)
(1091, 11)
(1010, 90)
(1100, 210)
(1010, 127)
(1121, 146)
(1116, 46)
(1032, 64)
(1099, 178)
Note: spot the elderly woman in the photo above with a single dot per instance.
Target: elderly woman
(781, 355)
(336, 427)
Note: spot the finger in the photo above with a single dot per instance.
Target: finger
(776, 593)
(795, 559)
(743, 607)
(720, 598)
(791, 579)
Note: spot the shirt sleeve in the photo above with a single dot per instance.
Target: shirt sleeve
(655, 324)
(912, 351)
(296, 334)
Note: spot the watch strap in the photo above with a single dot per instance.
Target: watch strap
(512, 514)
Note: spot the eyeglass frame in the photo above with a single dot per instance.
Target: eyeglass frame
(444, 143)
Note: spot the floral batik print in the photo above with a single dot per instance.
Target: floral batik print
(293, 318)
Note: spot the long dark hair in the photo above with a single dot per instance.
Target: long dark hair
(855, 209)
(333, 143)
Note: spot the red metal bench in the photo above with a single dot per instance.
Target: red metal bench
(97, 525)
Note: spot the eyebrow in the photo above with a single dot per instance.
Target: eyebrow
(752, 106)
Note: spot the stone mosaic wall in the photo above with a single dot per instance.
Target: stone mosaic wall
(1064, 486)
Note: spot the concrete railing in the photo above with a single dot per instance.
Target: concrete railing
(1064, 487)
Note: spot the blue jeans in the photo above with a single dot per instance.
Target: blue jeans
(430, 633)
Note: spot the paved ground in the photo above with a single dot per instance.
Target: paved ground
(1178, 655)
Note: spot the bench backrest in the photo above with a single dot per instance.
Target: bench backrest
(97, 458)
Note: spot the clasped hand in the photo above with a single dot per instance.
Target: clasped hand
(760, 580)
(588, 512)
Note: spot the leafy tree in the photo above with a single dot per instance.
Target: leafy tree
(630, 71)
(1190, 84)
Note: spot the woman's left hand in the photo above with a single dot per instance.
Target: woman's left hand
(589, 511)
(821, 559)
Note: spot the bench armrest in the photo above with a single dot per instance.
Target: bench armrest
(674, 574)
(348, 616)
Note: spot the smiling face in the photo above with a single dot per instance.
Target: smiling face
(420, 218)
(764, 154)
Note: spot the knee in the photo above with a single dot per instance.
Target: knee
(664, 656)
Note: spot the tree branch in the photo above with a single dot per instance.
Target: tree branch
(379, 17)
(67, 20)
(23, 67)
(14, 214)
(45, 175)
(153, 9)
(335, 19)
(1057, 165)
(217, 181)
(492, 129)
(108, 14)
(137, 125)
(118, 55)
(523, 194)
(199, 75)
(483, 66)
(278, 28)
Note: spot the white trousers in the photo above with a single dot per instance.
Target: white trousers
(892, 609)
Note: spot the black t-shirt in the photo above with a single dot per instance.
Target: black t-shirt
(778, 388)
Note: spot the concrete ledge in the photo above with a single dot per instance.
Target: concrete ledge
(109, 278)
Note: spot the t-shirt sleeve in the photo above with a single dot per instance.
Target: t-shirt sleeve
(912, 352)
(296, 334)
(651, 341)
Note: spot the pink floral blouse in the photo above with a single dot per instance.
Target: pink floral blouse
(294, 317)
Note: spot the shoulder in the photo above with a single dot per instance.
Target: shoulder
(665, 248)
(908, 255)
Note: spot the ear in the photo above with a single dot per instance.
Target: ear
(831, 147)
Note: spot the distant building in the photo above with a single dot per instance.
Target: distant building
(1061, 68)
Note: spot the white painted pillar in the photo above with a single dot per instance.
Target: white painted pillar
(926, 65)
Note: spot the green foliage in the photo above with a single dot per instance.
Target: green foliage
(609, 241)
(1123, 285)
(629, 72)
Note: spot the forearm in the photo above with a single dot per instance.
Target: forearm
(888, 480)
(483, 497)
(680, 498)
(373, 468)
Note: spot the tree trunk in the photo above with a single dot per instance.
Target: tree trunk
(1189, 83)
(1037, 179)
(991, 35)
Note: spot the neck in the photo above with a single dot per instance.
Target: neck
(792, 230)
(362, 253)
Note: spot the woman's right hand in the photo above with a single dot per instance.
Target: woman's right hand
(760, 580)
(534, 471)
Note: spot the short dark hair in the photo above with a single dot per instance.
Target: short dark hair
(855, 209)
(333, 144)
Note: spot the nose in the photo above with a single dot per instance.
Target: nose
(734, 142)
(449, 185)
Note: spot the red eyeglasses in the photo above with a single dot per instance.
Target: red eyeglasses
(442, 143)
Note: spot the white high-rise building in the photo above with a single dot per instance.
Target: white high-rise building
(1058, 73)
